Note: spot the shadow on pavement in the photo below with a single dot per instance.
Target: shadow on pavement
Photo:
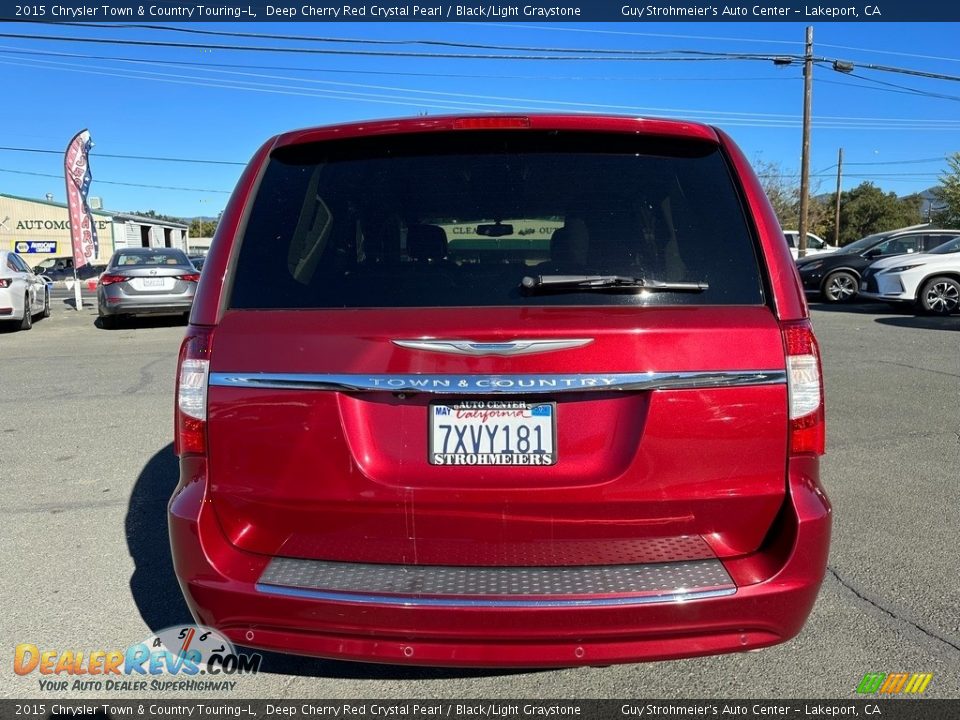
(157, 594)
(153, 583)
(924, 322)
(86, 303)
(152, 321)
(892, 314)
(857, 308)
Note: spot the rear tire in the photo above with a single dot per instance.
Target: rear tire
(108, 322)
(27, 322)
(46, 304)
(840, 286)
(940, 296)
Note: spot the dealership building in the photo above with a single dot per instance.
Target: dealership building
(40, 229)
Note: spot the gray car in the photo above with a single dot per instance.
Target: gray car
(146, 281)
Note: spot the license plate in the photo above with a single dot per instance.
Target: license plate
(493, 432)
(863, 286)
(153, 283)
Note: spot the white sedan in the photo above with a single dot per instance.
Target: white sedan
(23, 295)
(931, 280)
(815, 244)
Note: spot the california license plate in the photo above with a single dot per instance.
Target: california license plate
(493, 432)
(153, 283)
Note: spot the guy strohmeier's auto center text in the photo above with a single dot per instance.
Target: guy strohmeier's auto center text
(643, 12)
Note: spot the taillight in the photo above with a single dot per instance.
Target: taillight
(805, 389)
(107, 279)
(192, 277)
(5, 282)
(193, 370)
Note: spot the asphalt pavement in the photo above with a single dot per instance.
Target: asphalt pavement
(87, 467)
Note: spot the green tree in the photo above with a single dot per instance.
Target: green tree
(866, 209)
(947, 194)
(202, 228)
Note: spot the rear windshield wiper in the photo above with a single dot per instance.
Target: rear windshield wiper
(625, 283)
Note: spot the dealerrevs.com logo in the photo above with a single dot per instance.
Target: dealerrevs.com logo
(184, 658)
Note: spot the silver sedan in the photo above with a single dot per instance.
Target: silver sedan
(146, 281)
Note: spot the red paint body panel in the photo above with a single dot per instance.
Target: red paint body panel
(218, 582)
(642, 477)
(332, 476)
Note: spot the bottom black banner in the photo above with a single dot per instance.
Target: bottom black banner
(901, 709)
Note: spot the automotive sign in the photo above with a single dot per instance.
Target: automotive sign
(35, 246)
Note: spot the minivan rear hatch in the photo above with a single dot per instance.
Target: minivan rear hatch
(499, 347)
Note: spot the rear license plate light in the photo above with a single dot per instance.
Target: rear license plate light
(493, 432)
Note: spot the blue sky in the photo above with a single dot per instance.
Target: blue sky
(892, 136)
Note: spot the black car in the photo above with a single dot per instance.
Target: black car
(835, 277)
(62, 269)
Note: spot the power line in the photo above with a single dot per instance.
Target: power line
(126, 157)
(628, 55)
(724, 39)
(114, 182)
(898, 162)
(904, 91)
(889, 52)
(465, 101)
(11, 49)
(645, 34)
(593, 54)
(887, 86)
(913, 91)
(908, 71)
(372, 41)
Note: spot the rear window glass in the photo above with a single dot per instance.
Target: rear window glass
(460, 219)
(158, 257)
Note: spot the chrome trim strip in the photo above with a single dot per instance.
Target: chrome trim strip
(478, 349)
(499, 384)
(453, 602)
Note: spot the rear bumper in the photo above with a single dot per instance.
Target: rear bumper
(148, 307)
(775, 590)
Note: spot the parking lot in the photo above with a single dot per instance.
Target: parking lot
(85, 439)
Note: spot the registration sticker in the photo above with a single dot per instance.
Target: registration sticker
(493, 432)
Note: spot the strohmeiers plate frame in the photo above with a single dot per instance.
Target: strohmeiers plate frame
(452, 403)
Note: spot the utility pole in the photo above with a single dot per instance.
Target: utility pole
(805, 154)
(836, 209)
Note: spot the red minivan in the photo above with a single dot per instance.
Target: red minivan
(500, 391)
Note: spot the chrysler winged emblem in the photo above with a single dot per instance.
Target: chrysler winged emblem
(510, 347)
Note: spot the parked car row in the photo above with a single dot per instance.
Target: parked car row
(916, 265)
(136, 281)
